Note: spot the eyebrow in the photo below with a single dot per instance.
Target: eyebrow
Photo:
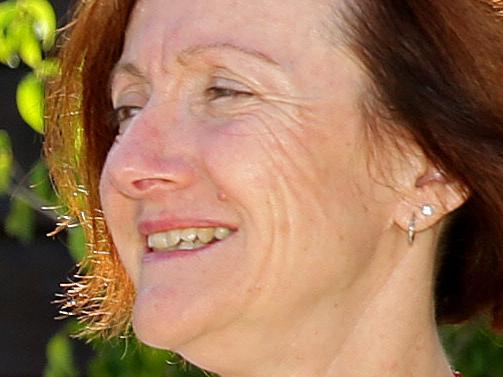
(134, 71)
(129, 68)
(198, 49)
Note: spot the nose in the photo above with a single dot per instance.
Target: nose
(153, 156)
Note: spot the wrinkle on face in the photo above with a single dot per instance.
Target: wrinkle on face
(286, 158)
(287, 147)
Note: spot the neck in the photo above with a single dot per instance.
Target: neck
(383, 326)
(396, 335)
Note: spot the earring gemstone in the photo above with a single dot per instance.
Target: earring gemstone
(427, 210)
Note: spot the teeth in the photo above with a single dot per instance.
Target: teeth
(205, 235)
(186, 239)
(186, 245)
(173, 237)
(158, 241)
(221, 233)
(189, 234)
(164, 240)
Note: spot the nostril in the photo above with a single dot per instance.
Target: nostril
(148, 183)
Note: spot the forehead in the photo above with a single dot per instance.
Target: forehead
(282, 29)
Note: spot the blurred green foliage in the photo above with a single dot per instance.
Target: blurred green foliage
(60, 361)
(474, 349)
(28, 27)
(27, 32)
(20, 222)
(29, 97)
(128, 358)
(6, 160)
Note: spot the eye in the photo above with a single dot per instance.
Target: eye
(123, 114)
(218, 92)
(221, 88)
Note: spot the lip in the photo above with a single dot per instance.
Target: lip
(151, 226)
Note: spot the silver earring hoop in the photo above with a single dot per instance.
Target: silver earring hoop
(427, 210)
(411, 230)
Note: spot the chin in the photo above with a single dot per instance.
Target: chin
(163, 319)
(173, 319)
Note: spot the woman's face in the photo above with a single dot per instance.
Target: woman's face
(243, 116)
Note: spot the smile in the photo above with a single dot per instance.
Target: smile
(186, 238)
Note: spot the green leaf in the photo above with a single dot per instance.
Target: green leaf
(41, 185)
(8, 55)
(7, 8)
(6, 160)
(30, 93)
(47, 68)
(26, 28)
(8, 41)
(60, 357)
(44, 20)
(76, 243)
(20, 222)
(30, 50)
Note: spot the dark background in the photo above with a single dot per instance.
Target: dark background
(29, 275)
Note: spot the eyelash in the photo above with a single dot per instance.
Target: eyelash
(122, 113)
(117, 115)
(217, 92)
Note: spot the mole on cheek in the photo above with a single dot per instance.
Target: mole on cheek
(222, 196)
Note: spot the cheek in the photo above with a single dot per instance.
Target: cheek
(282, 153)
(297, 183)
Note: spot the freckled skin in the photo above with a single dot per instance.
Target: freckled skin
(286, 165)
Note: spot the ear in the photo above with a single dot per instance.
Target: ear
(427, 197)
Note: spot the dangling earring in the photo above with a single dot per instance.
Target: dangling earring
(427, 210)
(411, 229)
